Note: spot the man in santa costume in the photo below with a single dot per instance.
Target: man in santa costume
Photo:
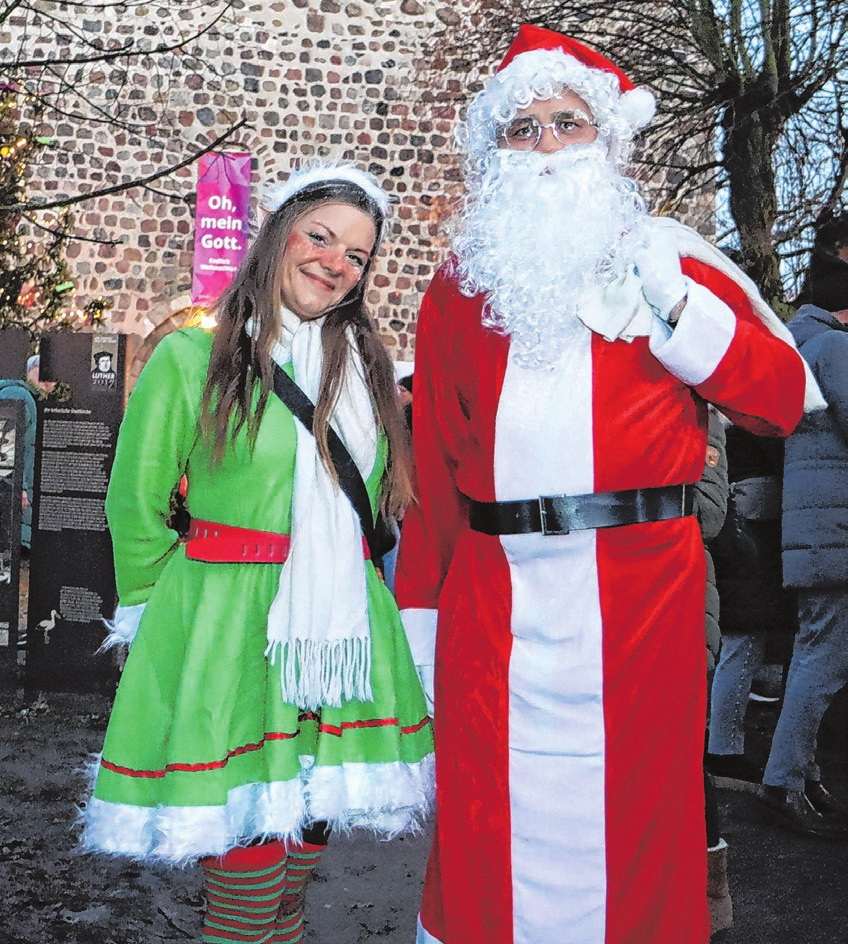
(565, 356)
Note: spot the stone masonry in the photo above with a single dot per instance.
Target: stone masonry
(312, 78)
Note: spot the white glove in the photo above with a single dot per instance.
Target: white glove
(658, 267)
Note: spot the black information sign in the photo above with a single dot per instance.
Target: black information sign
(12, 420)
(72, 579)
(14, 347)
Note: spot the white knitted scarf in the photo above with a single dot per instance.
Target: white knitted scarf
(318, 622)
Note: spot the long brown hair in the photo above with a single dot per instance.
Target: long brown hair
(241, 363)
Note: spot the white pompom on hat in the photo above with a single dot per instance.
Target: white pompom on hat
(636, 106)
(326, 173)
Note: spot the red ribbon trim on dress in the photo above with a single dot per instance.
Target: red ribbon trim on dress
(335, 730)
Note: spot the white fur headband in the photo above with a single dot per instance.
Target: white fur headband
(299, 180)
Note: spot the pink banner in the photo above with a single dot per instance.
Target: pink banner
(220, 223)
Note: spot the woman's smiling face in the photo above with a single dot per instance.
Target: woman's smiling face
(324, 257)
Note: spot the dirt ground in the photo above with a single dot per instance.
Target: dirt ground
(363, 890)
(787, 889)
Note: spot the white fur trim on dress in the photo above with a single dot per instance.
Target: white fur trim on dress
(279, 194)
(388, 799)
(124, 626)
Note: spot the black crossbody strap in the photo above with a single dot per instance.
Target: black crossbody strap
(349, 478)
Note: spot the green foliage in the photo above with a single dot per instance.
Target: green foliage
(36, 288)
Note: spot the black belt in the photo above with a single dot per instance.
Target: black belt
(560, 514)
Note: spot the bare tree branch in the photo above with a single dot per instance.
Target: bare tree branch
(69, 201)
(749, 101)
(128, 50)
(77, 237)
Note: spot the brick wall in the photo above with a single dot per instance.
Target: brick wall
(313, 77)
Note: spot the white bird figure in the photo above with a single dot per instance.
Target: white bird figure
(47, 624)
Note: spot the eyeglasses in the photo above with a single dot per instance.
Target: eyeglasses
(569, 127)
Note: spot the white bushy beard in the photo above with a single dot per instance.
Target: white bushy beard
(537, 230)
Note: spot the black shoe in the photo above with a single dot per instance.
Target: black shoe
(793, 809)
(824, 801)
(733, 767)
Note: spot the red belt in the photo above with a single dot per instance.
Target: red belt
(227, 544)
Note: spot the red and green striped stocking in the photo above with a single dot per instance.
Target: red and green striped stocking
(244, 890)
(300, 863)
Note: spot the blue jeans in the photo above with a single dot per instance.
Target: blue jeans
(819, 668)
(740, 658)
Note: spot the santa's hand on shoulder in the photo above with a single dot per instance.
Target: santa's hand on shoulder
(657, 264)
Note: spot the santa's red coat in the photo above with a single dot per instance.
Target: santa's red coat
(570, 670)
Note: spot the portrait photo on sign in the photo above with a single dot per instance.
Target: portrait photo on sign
(104, 361)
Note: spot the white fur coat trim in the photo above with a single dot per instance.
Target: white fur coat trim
(620, 311)
(693, 245)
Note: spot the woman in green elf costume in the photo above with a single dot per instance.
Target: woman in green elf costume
(269, 695)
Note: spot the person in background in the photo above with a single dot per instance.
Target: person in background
(564, 359)
(269, 695)
(710, 510)
(815, 549)
(756, 611)
(404, 389)
(28, 392)
(405, 395)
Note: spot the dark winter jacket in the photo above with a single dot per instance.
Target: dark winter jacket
(747, 550)
(710, 509)
(815, 487)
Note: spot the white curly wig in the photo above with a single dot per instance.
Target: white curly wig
(543, 74)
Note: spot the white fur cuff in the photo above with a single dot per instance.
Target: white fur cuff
(123, 627)
(700, 339)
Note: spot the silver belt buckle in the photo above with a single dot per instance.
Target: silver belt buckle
(544, 516)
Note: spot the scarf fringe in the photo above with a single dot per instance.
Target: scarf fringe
(323, 672)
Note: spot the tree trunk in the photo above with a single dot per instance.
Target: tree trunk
(748, 159)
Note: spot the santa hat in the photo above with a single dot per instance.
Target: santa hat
(535, 48)
(540, 64)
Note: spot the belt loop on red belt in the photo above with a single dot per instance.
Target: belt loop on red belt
(217, 543)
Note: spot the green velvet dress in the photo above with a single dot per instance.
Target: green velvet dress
(201, 752)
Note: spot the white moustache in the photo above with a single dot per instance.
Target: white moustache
(530, 164)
